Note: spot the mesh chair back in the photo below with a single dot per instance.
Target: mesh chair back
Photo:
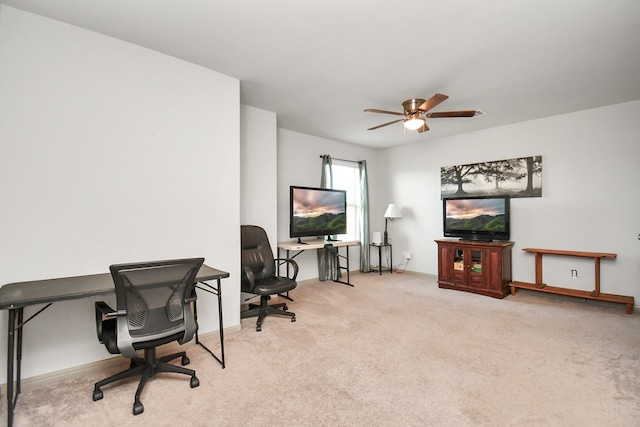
(154, 296)
(256, 252)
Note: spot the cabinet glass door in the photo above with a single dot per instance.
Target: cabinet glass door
(458, 260)
(476, 261)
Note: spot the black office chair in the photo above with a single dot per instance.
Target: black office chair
(154, 308)
(259, 274)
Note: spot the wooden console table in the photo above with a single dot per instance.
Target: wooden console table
(539, 285)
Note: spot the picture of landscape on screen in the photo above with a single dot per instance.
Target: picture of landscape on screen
(476, 215)
(317, 212)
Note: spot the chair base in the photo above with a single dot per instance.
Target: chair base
(265, 309)
(148, 368)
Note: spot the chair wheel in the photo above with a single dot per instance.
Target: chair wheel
(195, 382)
(138, 408)
(185, 361)
(97, 395)
(293, 319)
(258, 328)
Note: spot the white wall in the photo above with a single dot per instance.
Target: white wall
(299, 163)
(259, 166)
(590, 194)
(109, 153)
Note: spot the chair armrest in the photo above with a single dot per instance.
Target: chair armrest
(103, 312)
(193, 297)
(248, 275)
(106, 312)
(292, 263)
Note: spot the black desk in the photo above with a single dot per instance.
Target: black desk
(16, 296)
(390, 249)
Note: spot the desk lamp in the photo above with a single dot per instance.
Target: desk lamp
(392, 212)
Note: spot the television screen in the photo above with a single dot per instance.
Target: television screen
(317, 212)
(477, 218)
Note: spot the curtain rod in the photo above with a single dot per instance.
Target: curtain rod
(344, 160)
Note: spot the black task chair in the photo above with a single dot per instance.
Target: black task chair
(259, 274)
(154, 308)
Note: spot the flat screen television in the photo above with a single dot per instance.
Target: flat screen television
(317, 212)
(477, 218)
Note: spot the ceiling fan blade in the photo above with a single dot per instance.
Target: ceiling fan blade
(423, 128)
(433, 101)
(443, 114)
(386, 124)
(373, 110)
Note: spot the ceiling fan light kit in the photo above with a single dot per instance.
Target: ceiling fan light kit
(416, 113)
(414, 121)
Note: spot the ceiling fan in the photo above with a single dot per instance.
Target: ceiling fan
(416, 112)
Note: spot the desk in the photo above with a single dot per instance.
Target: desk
(390, 249)
(16, 296)
(320, 244)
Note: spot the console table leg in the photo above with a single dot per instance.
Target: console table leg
(597, 265)
(539, 282)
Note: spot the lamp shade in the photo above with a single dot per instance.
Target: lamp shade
(393, 212)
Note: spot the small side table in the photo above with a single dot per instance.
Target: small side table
(390, 249)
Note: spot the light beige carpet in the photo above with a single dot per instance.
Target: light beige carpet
(394, 350)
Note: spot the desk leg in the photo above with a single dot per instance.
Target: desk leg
(19, 356)
(287, 295)
(14, 355)
(336, 251)
(10, 356)
(218, 291)
(348, 268)
(278, 272)
(278, 264)
(220, 322)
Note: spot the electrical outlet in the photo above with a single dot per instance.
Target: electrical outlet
(574, 274)
(407, 255)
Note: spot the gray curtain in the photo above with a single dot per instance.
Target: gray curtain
(364, 218)
(327, 259)
(326, 178)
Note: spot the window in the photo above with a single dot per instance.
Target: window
(346, 176)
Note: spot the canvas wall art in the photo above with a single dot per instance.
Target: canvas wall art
(520, 177)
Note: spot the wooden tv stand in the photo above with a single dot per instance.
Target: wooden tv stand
(539, 285)
(479, 267)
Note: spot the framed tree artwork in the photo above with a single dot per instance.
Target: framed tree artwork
(520, 177)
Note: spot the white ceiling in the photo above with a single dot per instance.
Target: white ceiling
(319, 64)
